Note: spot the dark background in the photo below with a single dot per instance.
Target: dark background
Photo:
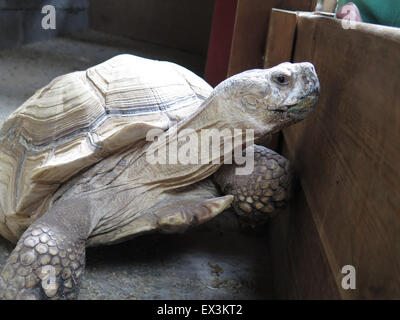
(179, 24)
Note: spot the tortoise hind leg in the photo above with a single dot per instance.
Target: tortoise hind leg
(261, 194)
(49, 258)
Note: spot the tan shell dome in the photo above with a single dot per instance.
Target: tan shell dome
(79, 119)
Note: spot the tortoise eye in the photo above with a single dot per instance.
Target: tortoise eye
(281, 79)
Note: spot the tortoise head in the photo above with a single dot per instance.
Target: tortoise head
(269, 99)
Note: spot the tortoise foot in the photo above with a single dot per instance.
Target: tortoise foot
(261, 194)
(46, 264)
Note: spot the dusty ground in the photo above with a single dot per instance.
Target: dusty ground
(215, 261)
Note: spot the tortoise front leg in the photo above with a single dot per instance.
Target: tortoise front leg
(49, 258)
(261, 194)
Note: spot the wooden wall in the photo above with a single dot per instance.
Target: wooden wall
(251, 29)
(347, 157)
(239, 33)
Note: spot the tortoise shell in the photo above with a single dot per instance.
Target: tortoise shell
(80, 118)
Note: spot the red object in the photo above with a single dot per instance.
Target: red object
(220, 41)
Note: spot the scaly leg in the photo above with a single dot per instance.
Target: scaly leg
(49, 258)
(261, 194)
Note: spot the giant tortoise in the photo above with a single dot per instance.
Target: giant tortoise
(133, 146)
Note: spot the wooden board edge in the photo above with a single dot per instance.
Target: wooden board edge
(281, 37)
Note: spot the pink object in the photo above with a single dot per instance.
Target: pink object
(350, 12)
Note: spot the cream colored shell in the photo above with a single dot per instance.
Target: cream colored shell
(79, 119)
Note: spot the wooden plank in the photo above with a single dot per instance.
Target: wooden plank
(300, 267)
(329, 6)
(347, 153)
(280, 40)
(281, 35)
(251, 29)
(295, 246)
(220, 41)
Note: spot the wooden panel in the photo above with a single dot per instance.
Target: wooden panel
(300, 266)
(347, 153)
(220, 41)
(280, 40)
(251, 29)
(329, 5)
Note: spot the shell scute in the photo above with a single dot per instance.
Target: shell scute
(80, 118)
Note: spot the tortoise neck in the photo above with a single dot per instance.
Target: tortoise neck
(207, 116)
(185, 154)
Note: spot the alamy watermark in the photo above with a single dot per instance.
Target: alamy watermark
(349, 280)
(49, 20)
(210, 146)
(207, 146)
(48, 276)
(348, 21)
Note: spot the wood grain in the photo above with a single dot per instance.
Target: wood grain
(251, 29)
(300, 267)
(281, 37)
(347, 153)
(280, 43)
(329, 6)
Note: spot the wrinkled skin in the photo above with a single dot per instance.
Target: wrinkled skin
(123, 195)
(270, 99)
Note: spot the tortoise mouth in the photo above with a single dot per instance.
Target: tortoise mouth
(305, 102)
(297, 111)
(278, 111)
(303, 105)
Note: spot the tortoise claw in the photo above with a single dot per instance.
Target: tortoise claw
(183, 214)
(44, 265)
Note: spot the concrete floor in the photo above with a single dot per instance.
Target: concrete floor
(218, 260)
